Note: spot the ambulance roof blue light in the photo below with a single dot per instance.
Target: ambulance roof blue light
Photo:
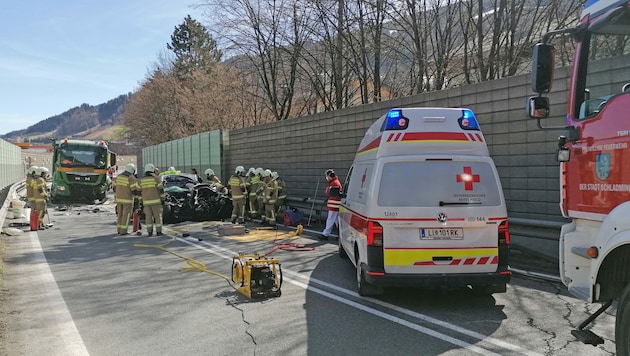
(468, 121)
(395, 120)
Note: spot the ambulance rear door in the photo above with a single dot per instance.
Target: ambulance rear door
(439, 213)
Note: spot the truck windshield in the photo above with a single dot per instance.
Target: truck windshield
(599, 83)
(83, 156)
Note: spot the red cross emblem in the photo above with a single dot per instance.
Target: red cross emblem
(468, 178)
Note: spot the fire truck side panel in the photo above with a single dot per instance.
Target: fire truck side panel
(599, 180)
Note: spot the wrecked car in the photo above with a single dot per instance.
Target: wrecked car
(187, 200)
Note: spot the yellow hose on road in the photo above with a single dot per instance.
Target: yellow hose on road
(193, 264)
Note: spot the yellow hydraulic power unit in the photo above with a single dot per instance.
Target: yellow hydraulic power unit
(257, 276)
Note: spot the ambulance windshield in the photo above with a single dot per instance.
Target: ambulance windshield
(438, 183)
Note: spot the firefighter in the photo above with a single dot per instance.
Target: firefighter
(31, 175)
(269, 189)
(282, 191)
(212, 179)
(40, 194)
(333, 192)
(260, 198)
(152, 198)
(253, 180)
(127, 191)
(170, 170)
(238, 190)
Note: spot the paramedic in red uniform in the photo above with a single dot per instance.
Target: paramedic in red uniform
(333, 192)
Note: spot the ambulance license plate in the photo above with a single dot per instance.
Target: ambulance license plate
(442, 234)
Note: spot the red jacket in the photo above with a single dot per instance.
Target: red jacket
(333, 202)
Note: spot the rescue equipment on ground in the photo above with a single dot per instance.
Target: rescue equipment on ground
(293, 217)
(34, 220)
(230, 229)
(257, 276)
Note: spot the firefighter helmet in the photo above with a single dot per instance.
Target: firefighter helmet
(258, 171)
(275, 175)
(130, 168)
(33, 171)
(43, 171)
(239, 170)
(209, 172)
(266, 173)
(171, 168)
(251, 170)
(149, 167)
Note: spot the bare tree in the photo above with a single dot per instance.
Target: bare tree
(271, 36)
(154, 112)
(500, 33)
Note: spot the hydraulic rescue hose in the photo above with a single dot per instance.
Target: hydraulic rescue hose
(288, 246)
(192, 263)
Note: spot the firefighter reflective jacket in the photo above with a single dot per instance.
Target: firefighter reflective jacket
(282, 189)
(236, 184)
(40, 190)
(127, 188)
(30, 193)
(252, 184)
(152, 190)
(270, 191)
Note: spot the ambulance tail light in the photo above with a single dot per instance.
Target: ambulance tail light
(374, 234)
(504, 248)
(504, 233)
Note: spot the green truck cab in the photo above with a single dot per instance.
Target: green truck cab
(79, 170)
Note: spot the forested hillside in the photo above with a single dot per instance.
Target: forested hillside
(81, 121)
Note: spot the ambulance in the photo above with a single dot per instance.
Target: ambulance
(423, 206)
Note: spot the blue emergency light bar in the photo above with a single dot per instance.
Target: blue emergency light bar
(395, 120)
(468, 121)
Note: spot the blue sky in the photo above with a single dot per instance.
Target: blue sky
(55, 55)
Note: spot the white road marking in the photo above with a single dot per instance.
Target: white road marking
(55, 304)
(227, 254)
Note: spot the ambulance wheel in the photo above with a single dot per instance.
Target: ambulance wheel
(622, 323)
(364, 288)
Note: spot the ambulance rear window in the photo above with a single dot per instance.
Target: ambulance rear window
(438, 183)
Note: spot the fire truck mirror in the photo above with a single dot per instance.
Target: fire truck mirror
(542, 67)
(538, 107)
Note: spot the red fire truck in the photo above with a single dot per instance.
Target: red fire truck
(592, 149)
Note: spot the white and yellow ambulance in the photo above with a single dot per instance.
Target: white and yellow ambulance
(423, 205)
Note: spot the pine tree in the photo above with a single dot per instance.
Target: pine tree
(194, 49)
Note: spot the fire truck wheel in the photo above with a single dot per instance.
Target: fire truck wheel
(622, 323)
(365, 289)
